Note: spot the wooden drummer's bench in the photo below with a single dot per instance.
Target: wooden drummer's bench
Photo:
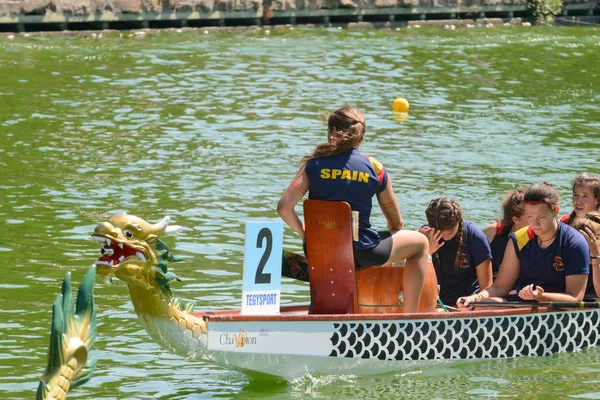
(335, 285)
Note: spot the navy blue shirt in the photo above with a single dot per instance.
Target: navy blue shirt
(462, 280)
(498, 245)
(590, 291)
(352, 177)
(569, 254)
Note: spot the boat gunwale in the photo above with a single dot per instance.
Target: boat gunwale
(291, 314)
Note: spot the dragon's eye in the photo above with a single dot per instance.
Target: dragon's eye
(128, 234)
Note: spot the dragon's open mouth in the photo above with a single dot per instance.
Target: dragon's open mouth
(114, 252)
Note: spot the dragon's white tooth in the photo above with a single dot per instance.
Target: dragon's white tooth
(111, 262)
(121, 258)
(140, 255)
(108, 241)
(121, 246)
(98, 262)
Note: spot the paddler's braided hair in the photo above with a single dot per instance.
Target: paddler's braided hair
(346, 128)
(444, 213)
(586, 179)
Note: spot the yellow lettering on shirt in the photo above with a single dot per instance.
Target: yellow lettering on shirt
(363, 177)
(346, 174)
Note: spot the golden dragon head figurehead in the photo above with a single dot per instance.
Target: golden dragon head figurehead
(133, 252)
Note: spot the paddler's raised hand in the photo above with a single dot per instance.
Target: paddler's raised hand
(531, 292)
(593, 242)
(435, 238)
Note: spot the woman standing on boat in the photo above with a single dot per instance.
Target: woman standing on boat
(550, 258)
(461, 252)
(586, 196)
(338, 171)
(513, 219)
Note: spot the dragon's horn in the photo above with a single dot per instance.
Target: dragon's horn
(172, 230)
(163, 226)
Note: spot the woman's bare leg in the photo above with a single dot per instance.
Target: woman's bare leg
(414, 247)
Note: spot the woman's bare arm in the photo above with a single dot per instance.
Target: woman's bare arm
(484, 274)
(389, 207)
(507, 276)
(575, 290)
(292, 195)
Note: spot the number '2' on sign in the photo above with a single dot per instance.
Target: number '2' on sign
(262, 268)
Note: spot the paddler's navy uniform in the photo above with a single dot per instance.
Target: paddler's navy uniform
(355, 178)
(498, 245)
(568, 254)
(461, 280)
(590, 291)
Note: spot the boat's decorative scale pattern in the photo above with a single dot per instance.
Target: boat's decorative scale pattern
(468, 338)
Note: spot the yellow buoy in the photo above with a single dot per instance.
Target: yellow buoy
(400, 105)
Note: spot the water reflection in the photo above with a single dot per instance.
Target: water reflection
(513, 378)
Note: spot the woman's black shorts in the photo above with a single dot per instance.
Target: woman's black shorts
(378, 255)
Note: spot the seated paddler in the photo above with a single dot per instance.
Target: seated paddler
(589, 226)
(586, 196)
(513, 219)
(461, 253)
(550, 259)
(338, 171)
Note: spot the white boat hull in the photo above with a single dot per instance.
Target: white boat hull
(290, 346)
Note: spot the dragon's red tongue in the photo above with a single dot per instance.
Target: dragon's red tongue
(116, 254)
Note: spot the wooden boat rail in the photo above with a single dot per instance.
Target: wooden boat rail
(300, 313)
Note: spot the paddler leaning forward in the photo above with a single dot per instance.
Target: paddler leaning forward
(338, 171)
(549, 259)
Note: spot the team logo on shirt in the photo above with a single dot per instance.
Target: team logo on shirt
(558, 264)
(463, 262)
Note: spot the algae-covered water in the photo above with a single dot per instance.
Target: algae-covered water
(209, 129)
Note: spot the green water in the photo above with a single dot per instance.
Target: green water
(209, 129)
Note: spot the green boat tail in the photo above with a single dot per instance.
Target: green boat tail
(72, 336)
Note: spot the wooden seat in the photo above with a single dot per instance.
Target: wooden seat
(330, 257)
(379, 288)
(335, 285)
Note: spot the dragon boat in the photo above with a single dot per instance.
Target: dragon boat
(354, 323)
